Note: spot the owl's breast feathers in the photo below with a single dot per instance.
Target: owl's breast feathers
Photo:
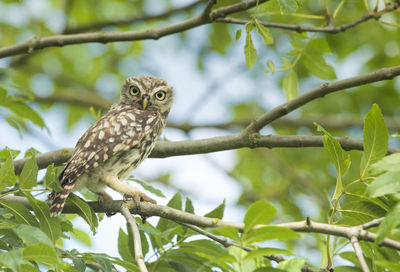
(122, 129)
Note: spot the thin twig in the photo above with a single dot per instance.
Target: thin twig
(147, 210)
(359, 254)
(372, 223)
(35, 44)
(329, 29)
(136, 238)
(132, 20)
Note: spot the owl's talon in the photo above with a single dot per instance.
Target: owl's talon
(138, 197)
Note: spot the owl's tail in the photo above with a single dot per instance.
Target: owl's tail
(58, 202)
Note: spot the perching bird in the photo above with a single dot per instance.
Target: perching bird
(118, 142)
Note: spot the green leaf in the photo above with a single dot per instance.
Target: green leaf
(321, 45)
(220, 37)
(21, 213)
(286, 65)
(391, 220)
(41, 253)
(388, 163)
(393, 267)
(218, 212)
(238, 34)
(229, 232)
(250, 52)
(265, 252)
(31, 234)
(270, 233)
(79, 263)
(124, 250)
(50, 226)
(260, 212)
(290, 84)
(189, 205)
(271, 66)
(12, 259)
(288, 6)
(176, 203)
(50, 179)
(3, 94)
(264, 33)
(292, 265)
(81, 236)
(7, 175)
(388, 183)
(24, 111)
(129, 266)
(338, 157)
(84, 210)
(148, 187)
(315, 63)
(103, 262)
(376, 139)
(28, 177)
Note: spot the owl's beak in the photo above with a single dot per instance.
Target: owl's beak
(145, 101)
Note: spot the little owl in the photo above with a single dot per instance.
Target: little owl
(118, 142)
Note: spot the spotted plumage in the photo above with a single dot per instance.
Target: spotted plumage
(118, 142)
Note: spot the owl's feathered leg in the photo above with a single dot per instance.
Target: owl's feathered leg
(114, 183)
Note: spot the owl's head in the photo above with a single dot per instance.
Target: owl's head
(147, 93)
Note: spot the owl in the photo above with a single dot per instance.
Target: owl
(118, 142)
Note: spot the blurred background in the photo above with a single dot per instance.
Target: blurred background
(216, 94)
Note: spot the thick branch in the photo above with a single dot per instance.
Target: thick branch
(106, 37)
(147, 210)
(328, 29)
(321, 91)
(137, 244)
(128, 21)
(223, 143)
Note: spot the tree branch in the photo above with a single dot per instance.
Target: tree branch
(137, 244)
(169, 149)
(329, 29)
(147, 210)
(321, 91)
(359, 254)
(132, 20)
(106, 37)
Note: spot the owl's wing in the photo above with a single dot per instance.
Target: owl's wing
(117, 131)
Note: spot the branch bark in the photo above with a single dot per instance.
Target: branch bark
(147, 210)
(321, 91)
(169, 149)
(359, 254)
(34, 44)
(137, 244)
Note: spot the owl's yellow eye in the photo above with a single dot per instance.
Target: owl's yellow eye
(160, 95)
(133, 90)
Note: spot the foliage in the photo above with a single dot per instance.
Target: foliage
(284, 48)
